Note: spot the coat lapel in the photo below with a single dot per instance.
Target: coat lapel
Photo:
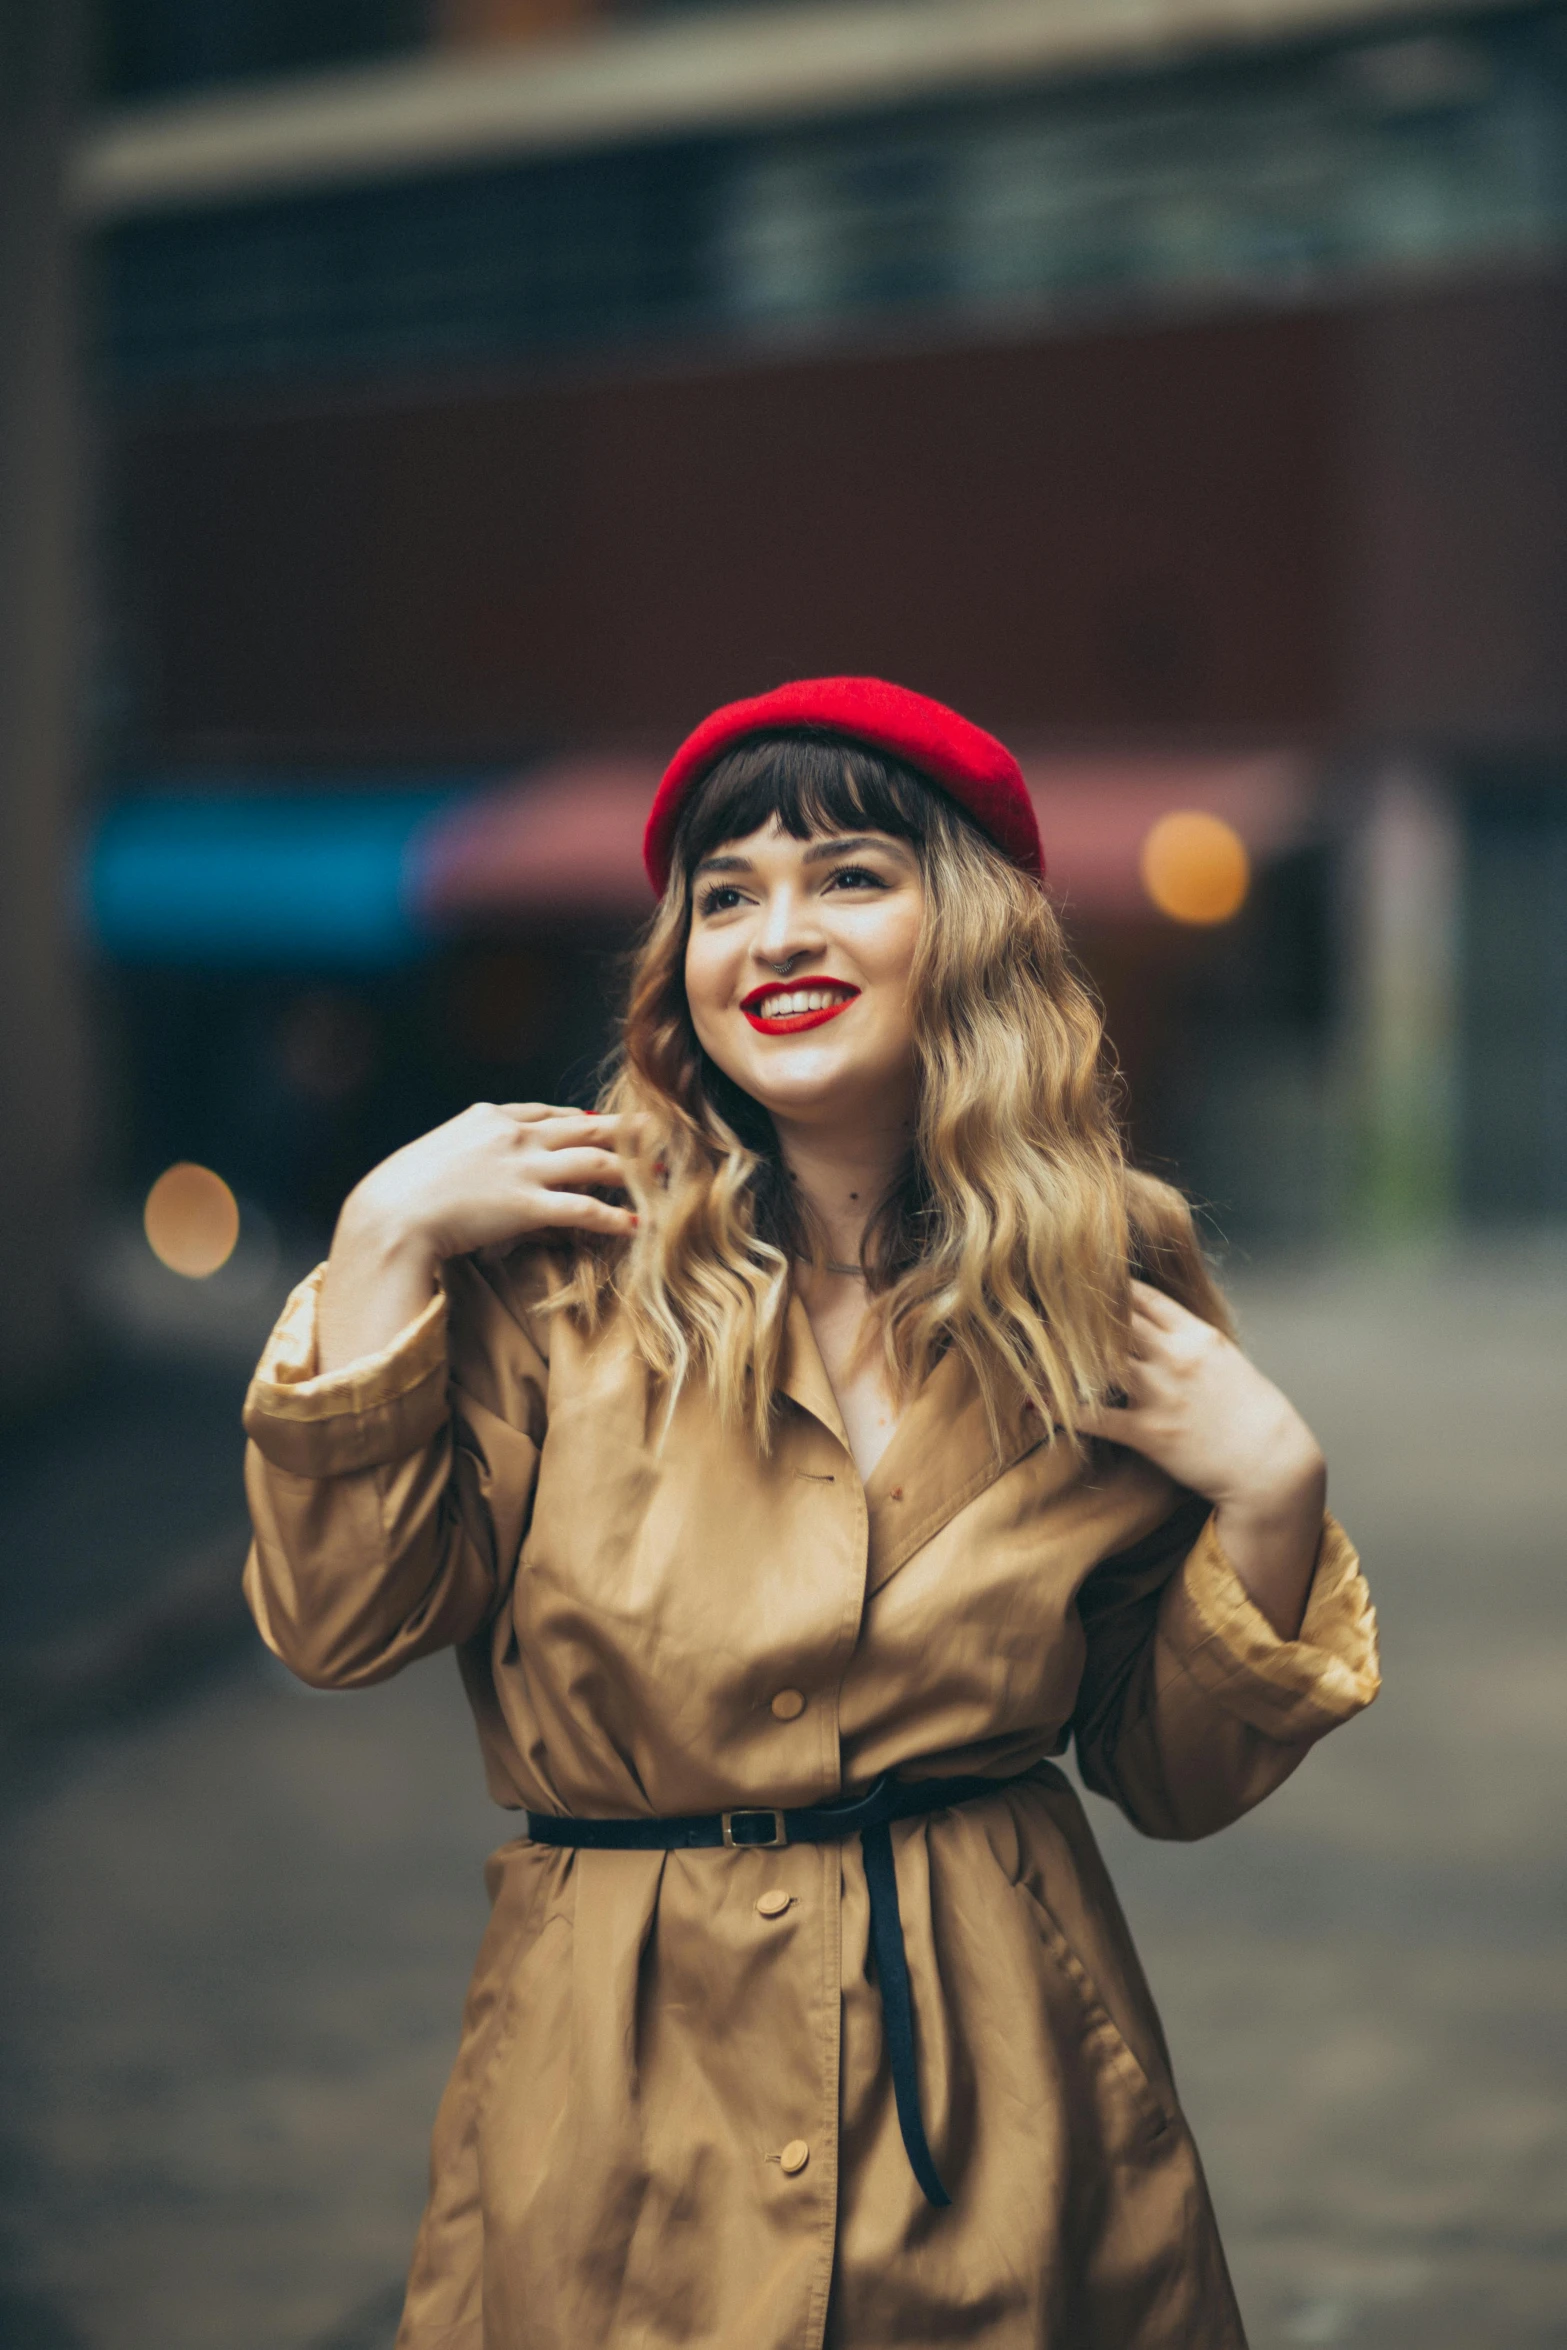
(803, 1376)
(943, 1454)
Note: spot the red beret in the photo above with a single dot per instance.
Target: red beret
(980, 773)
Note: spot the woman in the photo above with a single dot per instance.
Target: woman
(786, 1519)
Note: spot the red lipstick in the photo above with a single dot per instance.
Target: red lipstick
(792, 1022)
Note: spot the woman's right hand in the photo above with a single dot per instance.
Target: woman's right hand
(495, 1174)
(489, 1177)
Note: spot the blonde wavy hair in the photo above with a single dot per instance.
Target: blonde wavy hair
(1016, 1224)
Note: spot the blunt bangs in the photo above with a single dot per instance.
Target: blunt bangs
(812, 784)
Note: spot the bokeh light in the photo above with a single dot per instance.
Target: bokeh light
(1195, 867)
(191, 1220)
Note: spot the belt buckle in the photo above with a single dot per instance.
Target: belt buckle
(764, 1811)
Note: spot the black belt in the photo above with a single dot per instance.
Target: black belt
(867, 1816)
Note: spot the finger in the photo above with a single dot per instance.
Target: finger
(1169, 1323)
(574, 1212)
(1120, 1423)
(539, 1113)
(1157, 1306)
(1147, 1341)
(580, 1169)
(1129, 1396)
(1091, 1419)
(562, 1128)
(1146, 1337)
(1131, 1393)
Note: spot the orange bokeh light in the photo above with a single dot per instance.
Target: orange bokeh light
(1195, 867)
(191, 1220)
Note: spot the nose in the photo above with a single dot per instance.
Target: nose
(786, 932)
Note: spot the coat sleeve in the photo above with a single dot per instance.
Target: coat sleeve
(1192, 1708)
(389, 1499)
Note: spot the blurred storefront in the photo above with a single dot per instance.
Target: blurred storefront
(487, 391)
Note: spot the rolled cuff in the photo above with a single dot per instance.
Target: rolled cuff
(1291, 1690)
(379, 1408)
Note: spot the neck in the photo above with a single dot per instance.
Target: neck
(841, 1179)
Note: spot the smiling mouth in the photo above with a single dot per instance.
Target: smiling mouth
(778, 1010)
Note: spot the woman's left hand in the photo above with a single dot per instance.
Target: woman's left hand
(1207, 1416)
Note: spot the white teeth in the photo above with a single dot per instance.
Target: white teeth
(787, 1004)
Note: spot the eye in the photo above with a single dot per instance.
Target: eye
(856, 877)
(720, 897)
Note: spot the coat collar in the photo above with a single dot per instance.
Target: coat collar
(942, 1455)
(802, 1375)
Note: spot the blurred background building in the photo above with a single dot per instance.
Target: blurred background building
(472, 392)
(414, 414)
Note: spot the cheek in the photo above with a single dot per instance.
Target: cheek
(885, 955)
(889, 953)
(707, 983)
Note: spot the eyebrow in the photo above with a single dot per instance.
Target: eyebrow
(824, 849)
(845, 846)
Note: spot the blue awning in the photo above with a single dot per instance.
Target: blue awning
(221, 877)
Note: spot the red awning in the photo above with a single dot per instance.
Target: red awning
(568, 837)
(1095, 814)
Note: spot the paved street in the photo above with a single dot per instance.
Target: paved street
(239, 1923)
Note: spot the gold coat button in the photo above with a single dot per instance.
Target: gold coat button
(788, 1705)
(774, 1903)
(795, 2156)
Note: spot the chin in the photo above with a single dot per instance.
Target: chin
(812, 1090)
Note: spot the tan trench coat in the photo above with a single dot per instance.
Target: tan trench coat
(684, 1626)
